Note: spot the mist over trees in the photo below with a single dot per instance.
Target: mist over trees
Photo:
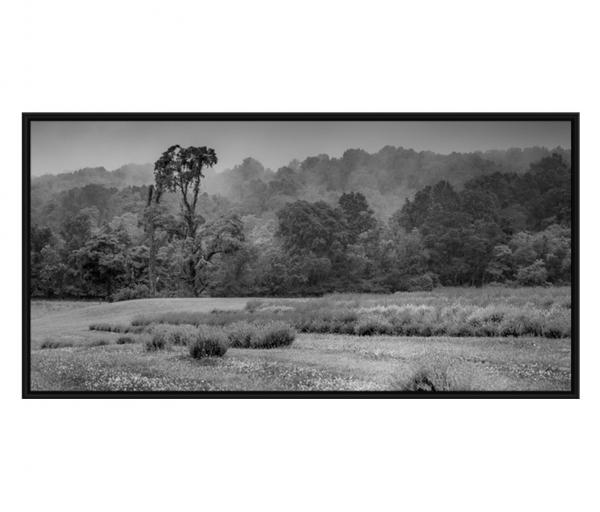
(393, 220)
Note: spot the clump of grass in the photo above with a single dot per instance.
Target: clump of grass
(155, 342)
(168, 335)
(125, 340)
(55, 344)
(434, 374)
(208, 342)
(274, 308)
(241, 334)
(374, 325)
(260, 335)
(98, 343)
(120, 328)
(253, 304)
(274, 334)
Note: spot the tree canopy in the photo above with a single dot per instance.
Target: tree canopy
(283, 235)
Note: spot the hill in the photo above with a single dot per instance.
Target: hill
(124, 176)
(387, 178)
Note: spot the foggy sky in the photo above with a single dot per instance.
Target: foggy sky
(59, 146)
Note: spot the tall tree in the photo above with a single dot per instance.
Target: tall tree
(180, 170)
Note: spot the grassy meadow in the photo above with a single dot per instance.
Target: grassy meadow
(450, 339)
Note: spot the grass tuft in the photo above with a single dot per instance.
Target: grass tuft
(260, 335)
(208, 342)
(55, 344)
(241, 334)
(434, 374)
(120, 328)
(274, 334)
(98, 343)
(125, 340)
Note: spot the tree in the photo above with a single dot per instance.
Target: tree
(152, 217)
(102, 261)
(224, 236)
(52, 272)
(500, 267)
(42, 258)
(180, 170)
(359, 217)
(314, 227)
(532, 275)
(76, 230)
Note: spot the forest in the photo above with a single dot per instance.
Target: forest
(395, 220)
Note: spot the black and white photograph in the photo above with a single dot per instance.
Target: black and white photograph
(299, 256)
(306, 254)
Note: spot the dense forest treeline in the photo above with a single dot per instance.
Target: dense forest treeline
(393, 220)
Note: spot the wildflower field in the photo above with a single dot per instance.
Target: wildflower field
(450, 339)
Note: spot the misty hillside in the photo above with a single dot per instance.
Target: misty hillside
(387, 178)
(124, 176)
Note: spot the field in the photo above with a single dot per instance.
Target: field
(450, 339)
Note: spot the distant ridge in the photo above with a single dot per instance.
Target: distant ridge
(125, 176)
(386, 178)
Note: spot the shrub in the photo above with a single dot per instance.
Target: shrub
(534, 274)
(423, 282)
(241, 334)
(435, 374)
(98, 343)
(274, 334)
(181, 335)
(208, 342)
(164, 336)
(140, 291)
(266, 335)
(253, 304)
(275, 308)
(191, 318)
(373, 325)
(121, 328)
(156, 341)
(125, 340)
(55, 344)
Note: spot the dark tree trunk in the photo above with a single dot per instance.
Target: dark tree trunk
(192, 276)
(151, 227)
(152, 261)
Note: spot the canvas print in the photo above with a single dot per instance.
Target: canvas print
(263, 254)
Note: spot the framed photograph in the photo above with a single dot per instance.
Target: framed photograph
(301, 255)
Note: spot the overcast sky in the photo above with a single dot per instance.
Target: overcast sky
(71, 145)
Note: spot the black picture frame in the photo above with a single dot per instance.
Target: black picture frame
(27, 118)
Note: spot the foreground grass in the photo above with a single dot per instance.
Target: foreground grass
(312, 363)
(339, 347)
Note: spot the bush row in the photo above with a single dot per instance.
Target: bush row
(391, 319)
(466, 321)
(252, 335)
(120, 328)
(211, 340)
(55, 344)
